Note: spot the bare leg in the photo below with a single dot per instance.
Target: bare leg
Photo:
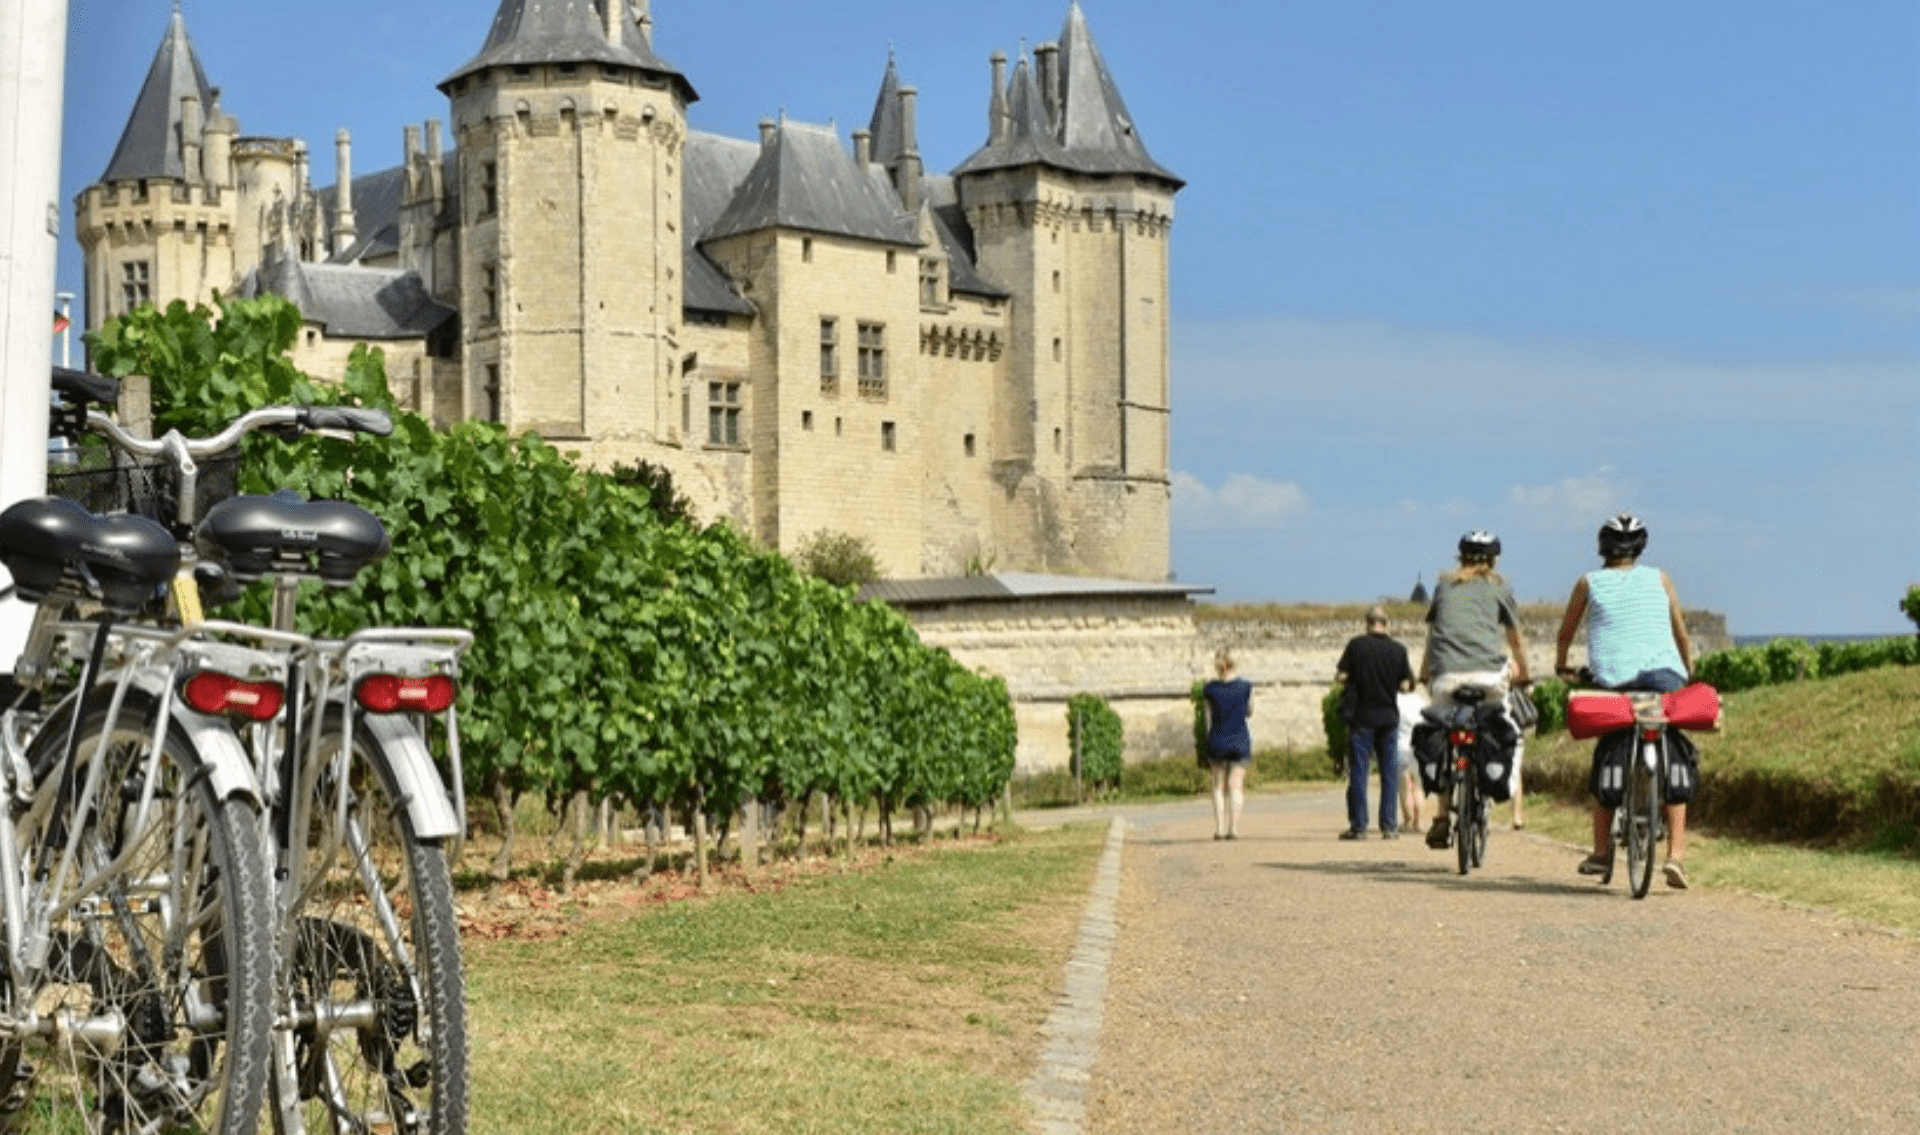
(1676, 832)
(1237, 796)
(1217, 773)
(1602, 832)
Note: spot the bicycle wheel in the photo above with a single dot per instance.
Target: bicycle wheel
(1465, 792)
(377, 988)
(1480, 827)
(155, 996)
(1642, 822)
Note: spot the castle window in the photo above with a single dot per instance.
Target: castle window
(888, 439)
(1056, 280)
(873, 360)
(806, 420)
(723, 413)
(489, 189)
(493, 392)
(829, 355)
(892, 261)
(929, 282)
(806, 250)
(134, 289)
(1056, 350)
(489, 293)
(967, 443)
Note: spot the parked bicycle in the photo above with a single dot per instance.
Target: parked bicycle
(370, 1025)
(136, 993)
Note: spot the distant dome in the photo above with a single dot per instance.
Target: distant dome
(1419, 591)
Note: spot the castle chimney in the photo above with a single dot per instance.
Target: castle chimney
(997, 104)
(1047, 60)
(216, 158)
(190, 127)
(907, 174)
(344, 230)
(610, 12)
(863, 148)
(767, 130)
(643, 16)
(436, 185)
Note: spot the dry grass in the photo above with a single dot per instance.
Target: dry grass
(902, 993)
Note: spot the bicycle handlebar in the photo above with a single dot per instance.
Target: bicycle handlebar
(182, 450)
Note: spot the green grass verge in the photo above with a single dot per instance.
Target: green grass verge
(904, 998)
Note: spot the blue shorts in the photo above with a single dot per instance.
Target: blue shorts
(1228, 757)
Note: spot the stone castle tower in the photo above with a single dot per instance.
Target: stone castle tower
(967, 370)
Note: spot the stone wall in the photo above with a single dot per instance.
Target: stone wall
(1143, 655)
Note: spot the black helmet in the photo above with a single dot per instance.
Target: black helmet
(1623, 537)
(1479, 544)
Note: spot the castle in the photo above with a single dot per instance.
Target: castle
(966, 370)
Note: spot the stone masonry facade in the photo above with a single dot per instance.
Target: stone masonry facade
(812, 333)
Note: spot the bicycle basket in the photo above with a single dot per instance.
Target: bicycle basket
(104, 482)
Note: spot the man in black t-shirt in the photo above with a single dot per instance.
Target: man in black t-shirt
(1373, 668)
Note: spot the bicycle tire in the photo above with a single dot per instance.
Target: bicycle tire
(189, 1048)
(1466, 792)
(405, 1067)
(1481, 826)
(1642, 822)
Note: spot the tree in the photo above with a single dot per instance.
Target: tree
(840, 558)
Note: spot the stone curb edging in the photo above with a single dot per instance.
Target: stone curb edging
(1057, 1093)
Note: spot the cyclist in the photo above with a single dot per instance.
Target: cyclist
(1636, 640)
(1472, 612)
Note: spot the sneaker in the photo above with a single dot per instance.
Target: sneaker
(1354, 833)
(1438, 835)
(1595, 865)
(1676, 875)
(1389, 833)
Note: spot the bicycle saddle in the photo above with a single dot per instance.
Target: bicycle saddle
(286, 534)
(55, 547)
(1470, 695)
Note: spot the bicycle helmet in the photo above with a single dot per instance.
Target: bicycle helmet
(1623, 537)
(1478, 545)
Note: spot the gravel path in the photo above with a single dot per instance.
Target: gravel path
(1290, 982)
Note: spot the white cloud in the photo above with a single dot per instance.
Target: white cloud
(1577, 499)
(1241, 501)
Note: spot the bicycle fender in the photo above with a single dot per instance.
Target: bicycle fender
(228, 768)
(414, 776)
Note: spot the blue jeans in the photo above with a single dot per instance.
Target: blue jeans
(1366, 741)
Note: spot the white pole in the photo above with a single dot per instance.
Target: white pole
(33, 48)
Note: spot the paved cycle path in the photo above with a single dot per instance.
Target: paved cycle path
(1291, 982)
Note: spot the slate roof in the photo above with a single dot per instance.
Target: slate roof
(1016, 586)
(351, 301)
(1093, 132)
(527, 32)
(149, 145)
(805, 179)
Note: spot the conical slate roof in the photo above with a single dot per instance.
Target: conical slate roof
(528, 32)
(150, 145)
(1093, 132)
(887, 127)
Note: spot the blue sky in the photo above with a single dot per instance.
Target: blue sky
(1439, 265)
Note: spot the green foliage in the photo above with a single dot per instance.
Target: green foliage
(1198, 692)
(615, 654)
(1098, 740)
(1787, 660)
(1910, 603)
(1338, 744)
(1550, 699)
(668, 503)
(840, 558)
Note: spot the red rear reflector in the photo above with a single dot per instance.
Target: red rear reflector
(1462, 737)
(390, 693)
(212, 692)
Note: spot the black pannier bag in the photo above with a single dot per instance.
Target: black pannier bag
(1430, 755)
(1612, 756)
(1493, 752)
(1683, 768)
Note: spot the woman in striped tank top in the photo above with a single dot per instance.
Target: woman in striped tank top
(1636, 640)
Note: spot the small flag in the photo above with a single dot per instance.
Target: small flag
(60, 322)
